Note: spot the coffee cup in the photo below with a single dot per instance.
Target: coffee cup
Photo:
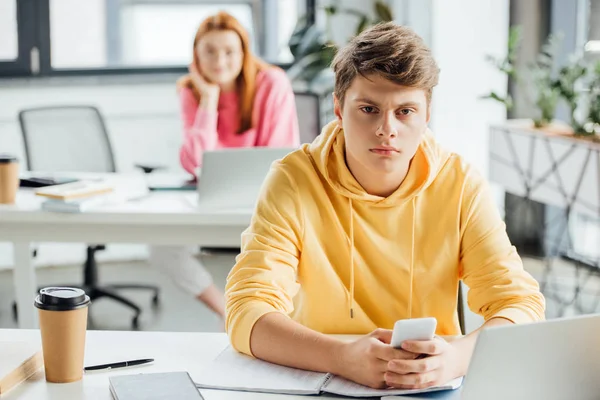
(63, 322)
(9, 178)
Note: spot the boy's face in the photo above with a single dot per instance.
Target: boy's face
(383, 125)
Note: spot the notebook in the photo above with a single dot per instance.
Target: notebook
(156, 386)
(77, 205)
(234, 371)
(75, 190)
(18, 362)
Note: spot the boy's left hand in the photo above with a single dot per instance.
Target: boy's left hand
(437, 365)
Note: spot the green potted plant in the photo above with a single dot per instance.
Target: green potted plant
(313, 49)
(546, 92)
(567, 86)
(593, 114)
(506, 66)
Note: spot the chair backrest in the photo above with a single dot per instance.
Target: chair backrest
(66, 138)
(309, 115)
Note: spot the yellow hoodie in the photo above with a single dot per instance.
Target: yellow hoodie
(339, 260)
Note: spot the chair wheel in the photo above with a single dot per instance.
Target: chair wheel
(155, 300)
(135, 323)
(15, 311)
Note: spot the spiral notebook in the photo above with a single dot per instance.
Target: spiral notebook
(234, 371)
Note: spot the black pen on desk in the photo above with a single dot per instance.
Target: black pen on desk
(121, 364)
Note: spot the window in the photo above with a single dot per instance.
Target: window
(160, 34)
(78, 33)
(105, 36)
(9, 45)
(130, 33)
(592, 38)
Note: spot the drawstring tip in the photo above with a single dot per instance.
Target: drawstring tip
(351, 313)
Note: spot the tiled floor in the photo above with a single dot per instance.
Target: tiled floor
(179, 312)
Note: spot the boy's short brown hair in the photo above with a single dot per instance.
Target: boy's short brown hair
(394, 52)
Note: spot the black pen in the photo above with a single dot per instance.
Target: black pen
(119, 364)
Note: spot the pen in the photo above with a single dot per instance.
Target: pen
(119, 364)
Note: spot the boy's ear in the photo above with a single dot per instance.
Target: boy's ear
(428, 112)
(337, 108)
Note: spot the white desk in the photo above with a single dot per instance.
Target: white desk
(161, 218)
(172, 351)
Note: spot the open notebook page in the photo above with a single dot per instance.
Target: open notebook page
(234, 371)
(344, 387)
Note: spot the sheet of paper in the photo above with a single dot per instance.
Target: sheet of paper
(344, 387)
(234, 371)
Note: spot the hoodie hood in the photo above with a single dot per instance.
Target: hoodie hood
(328, 153)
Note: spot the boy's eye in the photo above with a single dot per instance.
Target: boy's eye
(368, 109)
(406, 111)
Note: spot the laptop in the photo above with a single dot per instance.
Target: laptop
(232, 178)
(557, 359)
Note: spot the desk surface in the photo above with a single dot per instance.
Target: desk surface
(133, 205)
(172, 351)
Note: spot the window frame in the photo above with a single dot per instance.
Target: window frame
(26, 36)
(34, 47)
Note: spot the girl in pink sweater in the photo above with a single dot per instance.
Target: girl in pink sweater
(232, 99)
(229, 99)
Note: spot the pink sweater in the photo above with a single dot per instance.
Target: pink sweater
(274, 112)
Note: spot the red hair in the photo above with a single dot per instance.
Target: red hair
(251, 65)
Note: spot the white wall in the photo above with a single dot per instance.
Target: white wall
(463, 32)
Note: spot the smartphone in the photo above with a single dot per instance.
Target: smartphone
(413, 329)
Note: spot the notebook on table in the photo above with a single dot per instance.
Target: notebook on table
(234, 371)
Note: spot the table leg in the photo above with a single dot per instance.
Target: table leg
(25, 285)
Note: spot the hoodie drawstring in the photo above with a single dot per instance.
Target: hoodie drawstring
(412, 256)
(351, 239)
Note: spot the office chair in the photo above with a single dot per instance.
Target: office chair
(75, 139)
(308, 107)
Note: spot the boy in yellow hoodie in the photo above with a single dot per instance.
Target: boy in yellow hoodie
(371, 223)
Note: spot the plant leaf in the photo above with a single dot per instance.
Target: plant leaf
(384, 13)
(330, 10)
(311, 42)
(363, 24)
(297, 35)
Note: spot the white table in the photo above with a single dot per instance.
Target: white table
(172, 351)
(160, 218)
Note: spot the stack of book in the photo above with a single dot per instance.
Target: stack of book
(19, 361)
(75, 197)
